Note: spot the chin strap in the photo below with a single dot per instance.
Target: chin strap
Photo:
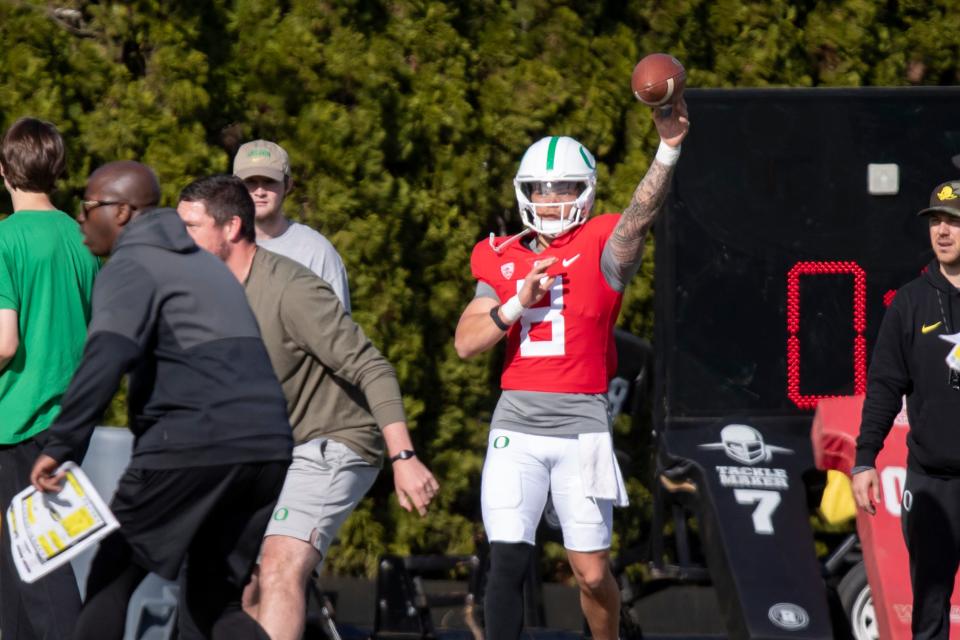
(498, 248)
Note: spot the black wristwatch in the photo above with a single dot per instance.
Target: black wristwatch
(406, 454)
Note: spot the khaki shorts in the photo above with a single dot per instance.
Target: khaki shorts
(324, 484)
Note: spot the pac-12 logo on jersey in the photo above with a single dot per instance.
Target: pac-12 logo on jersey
(506, 270)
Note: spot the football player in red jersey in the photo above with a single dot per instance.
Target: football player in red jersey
(555, 291)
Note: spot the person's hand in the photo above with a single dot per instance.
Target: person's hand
(415, 485)
(866, 490)
(536, 284)
(42, 475)
(672, 122)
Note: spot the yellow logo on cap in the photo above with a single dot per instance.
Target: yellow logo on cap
(946, 193)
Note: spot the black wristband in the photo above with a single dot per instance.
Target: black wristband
(406, 454)
(495, 315)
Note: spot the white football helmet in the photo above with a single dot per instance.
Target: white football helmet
(556, 165)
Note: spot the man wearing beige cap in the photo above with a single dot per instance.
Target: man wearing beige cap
(264, 167)
(913, 358)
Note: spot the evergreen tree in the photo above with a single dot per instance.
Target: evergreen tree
(405, 121)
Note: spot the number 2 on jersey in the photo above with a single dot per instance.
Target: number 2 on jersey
(553, 314)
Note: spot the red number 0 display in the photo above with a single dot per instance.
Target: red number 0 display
(793, 326)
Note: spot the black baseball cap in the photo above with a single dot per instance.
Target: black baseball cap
(944, 199)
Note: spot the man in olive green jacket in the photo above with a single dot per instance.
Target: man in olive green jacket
(342, 396)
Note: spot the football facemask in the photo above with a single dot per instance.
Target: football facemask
(558, 169)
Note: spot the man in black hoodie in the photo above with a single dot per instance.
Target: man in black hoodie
(910, 360)
(212, 438)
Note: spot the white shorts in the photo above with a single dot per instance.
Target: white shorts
(519, 471)
(325, 483)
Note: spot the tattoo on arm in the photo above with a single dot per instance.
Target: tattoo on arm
(626, 243)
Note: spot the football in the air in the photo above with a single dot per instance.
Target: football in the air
(658, 79)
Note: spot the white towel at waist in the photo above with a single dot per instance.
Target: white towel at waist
(599, 471)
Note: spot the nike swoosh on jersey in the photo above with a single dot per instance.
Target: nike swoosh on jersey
(569, 261)
(928, 329)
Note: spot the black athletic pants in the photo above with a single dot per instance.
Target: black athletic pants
(207, 520)
(930, 517)
(48, 608)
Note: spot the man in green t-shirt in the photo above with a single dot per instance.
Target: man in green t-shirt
(46, 280)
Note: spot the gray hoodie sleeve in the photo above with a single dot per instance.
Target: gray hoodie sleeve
(119, 329)
(124, 299)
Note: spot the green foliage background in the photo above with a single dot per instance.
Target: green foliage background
(405, 121)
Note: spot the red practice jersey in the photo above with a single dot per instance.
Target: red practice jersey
(564, 343)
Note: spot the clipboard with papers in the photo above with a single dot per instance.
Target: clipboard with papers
(48, 530)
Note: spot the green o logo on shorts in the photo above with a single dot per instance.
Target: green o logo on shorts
(281, 514)
(500, 442)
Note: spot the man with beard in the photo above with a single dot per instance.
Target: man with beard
(909, 360)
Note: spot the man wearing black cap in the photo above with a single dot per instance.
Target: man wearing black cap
(910, 360)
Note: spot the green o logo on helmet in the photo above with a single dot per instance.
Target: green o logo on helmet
(500, 442)
(281, 514)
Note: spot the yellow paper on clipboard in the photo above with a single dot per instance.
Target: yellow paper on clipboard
(48, 530)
